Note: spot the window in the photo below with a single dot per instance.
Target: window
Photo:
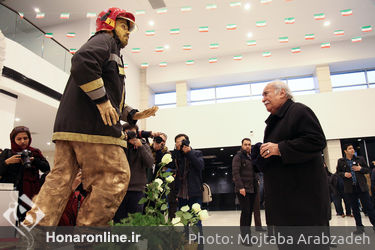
(165, 98)
(233, 91)
(349, 88)
(202, 94)
(301, 84)
(235, 99)
(257, 88)
(348, 79)
(371, 76)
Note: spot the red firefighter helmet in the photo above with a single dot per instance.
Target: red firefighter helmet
(107, 19)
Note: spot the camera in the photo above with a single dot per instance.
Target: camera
(25, 157)
(158, 139)
(185, 142)
(131, 134)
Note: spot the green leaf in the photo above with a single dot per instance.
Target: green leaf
(143, 201)
(187, 216)
(163, 207)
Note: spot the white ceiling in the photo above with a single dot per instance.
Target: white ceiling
(231, 42)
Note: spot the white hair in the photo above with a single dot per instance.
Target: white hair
(279, 85)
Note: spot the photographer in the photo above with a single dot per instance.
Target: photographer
(189, 165)
(140, 158)
(20, 165)
(353, 169)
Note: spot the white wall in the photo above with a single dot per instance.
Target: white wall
(33, 66)
(7, 109)
(341, 114)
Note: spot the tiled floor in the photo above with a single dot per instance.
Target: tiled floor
(232, 218)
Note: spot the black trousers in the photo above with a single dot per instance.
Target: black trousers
(247, 205)
(366, 203)
(129, 205)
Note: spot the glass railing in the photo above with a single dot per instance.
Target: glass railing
(31, 37)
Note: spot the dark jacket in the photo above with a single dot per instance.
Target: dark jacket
(97, 75)
(158, 156)
(25, 180)
(140, 159)
(243, 173)
(342, 168)
(190, 165)
(295, 184)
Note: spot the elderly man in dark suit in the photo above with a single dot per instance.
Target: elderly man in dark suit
(295, 182)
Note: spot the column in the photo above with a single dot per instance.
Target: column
(332, 153)
(8, 103)
(145, 97)
(323, 78)
(181, 94)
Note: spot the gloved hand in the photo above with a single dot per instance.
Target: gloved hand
(108, 113)
(145, 113)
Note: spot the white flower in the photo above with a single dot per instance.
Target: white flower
(169, 179)
(203, 214)
(158, 181)
(160, 189)
(196, 207)
(176, 220)
(185, 208)
(167, 158)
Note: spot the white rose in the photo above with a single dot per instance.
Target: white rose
(203, 214)
(185, 208)
(158, 181)
(196, 207)
(169, 179)
(176, 220)
(167, 158)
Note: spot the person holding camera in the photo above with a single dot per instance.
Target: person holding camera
(20, 165)
(189, 165)
(140, 159)
(353, 169)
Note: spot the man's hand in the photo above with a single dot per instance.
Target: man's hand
(13, 160)
(155, 134)
(186, 149)
(145, 113)
(243, 192)
(348, 175)
(136, 142)
(268, 149)
(108, 113)
(356, 168)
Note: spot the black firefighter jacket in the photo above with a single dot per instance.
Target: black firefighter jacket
(295, 184)
(97, 75)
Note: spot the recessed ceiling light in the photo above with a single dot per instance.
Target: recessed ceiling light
(247, 6)
(37, 10)
(166, 46)
(250, 34)
(17, 119)
(151, 23)
(327, 23)
(221, 149)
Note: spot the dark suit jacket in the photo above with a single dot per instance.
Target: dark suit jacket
(295, 184)
(342, 168)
